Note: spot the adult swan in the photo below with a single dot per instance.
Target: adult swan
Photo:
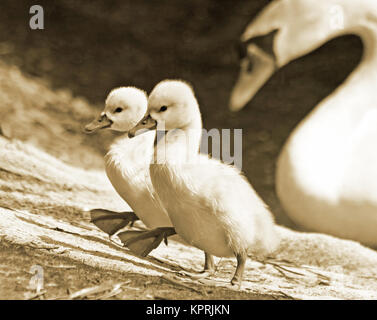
(326, 176)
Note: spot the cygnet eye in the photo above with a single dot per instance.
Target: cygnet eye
(163, 108)
(118, 110)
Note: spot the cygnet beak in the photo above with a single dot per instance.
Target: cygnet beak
(101, 122)
(144, 125)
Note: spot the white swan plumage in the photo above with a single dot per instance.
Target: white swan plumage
(326, 174)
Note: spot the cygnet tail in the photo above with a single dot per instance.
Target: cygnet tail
(268, 239)
(272, 239)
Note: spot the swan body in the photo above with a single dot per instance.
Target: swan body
(127, 167)
(211, 205)
(326, 174)
(214, 208)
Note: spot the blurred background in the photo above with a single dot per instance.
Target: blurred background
(53, 81)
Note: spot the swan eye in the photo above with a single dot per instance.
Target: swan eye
(249, 66)
(163, 108)
(241, 50)
(118, 110)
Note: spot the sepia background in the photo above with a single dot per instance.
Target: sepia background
(54, 81)
(90, 47)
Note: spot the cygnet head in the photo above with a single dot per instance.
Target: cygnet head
(124, 108)
(171, 105)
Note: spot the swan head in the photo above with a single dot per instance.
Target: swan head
(171, 105)
(124, 108)
(286, 30)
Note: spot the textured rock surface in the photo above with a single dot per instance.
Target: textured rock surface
(43, 205)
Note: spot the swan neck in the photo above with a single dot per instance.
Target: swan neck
(368, 66)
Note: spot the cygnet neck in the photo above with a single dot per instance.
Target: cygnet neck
(180, 145)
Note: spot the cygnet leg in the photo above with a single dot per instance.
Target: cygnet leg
(209, 269)
(209, 263)
(111, 221)
(143, 242)
(237, 278)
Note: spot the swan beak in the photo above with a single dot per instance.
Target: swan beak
(255, 70)
(144, 125)
(101, 122)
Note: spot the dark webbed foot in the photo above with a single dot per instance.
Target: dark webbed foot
(143, 242)
(110, 221)
(238, 275)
